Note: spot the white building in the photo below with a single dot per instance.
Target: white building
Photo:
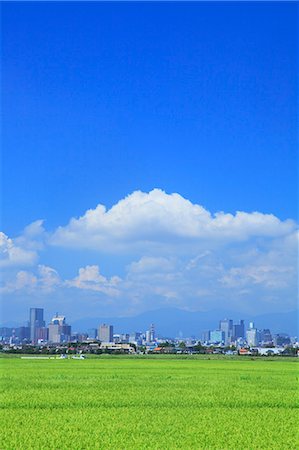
(252, 337)
(59, 331)
(105, 333)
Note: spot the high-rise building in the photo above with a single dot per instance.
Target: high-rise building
(205, 336)
(252, 336)
(36, 320)
(5, 333)
(135, 338)
(105, 333)
(23, 333)
(59, 330)
(226, 326)
(239, 330)
(266, 336)
(54, 335)
(148, 336)
(42, 334)
(92, 333)
(217, 337)
(152, 332)
(281, 339)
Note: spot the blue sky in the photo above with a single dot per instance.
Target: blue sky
(104, 99)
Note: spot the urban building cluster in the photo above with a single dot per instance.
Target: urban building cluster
(58, 335)
(36, 332)
(229, 333)
(59, 332)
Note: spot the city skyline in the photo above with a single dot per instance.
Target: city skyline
(149, 158)
(57, 330)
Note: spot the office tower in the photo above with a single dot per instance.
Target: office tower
(59, 330)
(136, 338)
(148, 336)
(92, 333)
(152, 332)
(205, 336)
(42, 334)
(23, 333)
(217, 337)
(226, 326)
(5, 334)
(239, 330)
(252, 337)
(54, 335)
(281, 339)
(36, 320)
(105, 333)
(266, 336)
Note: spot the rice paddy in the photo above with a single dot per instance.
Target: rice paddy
(149, 403)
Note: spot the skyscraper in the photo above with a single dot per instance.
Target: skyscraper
(105, 333)
(152, 332)
(217, 337)
(59, 330)
(36, 320)
(226, 326)
(92, 333)
(252, 337)
(239, 330)
(266, 336)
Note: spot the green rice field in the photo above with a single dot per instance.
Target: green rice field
(149, 403)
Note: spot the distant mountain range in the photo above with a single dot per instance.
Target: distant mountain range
(172, 322)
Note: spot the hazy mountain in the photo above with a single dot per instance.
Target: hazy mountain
(175, 322)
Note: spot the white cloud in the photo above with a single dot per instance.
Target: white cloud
(149, 264)
(267, 275)
(43, 280)
(25, 280)
(167, 251)
(22, 250)
(89, 278)
(48, 278)
(33, 236)
(156, 220)
(14, 255)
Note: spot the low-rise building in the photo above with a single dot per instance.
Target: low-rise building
(112, 346)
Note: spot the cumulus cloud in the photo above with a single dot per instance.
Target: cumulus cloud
(44, 279)
(212, 280)
(89, 278)
(33, 236)
(22, 250)
(155, 219)
(165, 251)
(48, 277)
(24, 280)
(13, 254)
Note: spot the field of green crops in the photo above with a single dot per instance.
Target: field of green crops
(149, 403)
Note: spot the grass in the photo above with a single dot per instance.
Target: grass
(149, 403)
